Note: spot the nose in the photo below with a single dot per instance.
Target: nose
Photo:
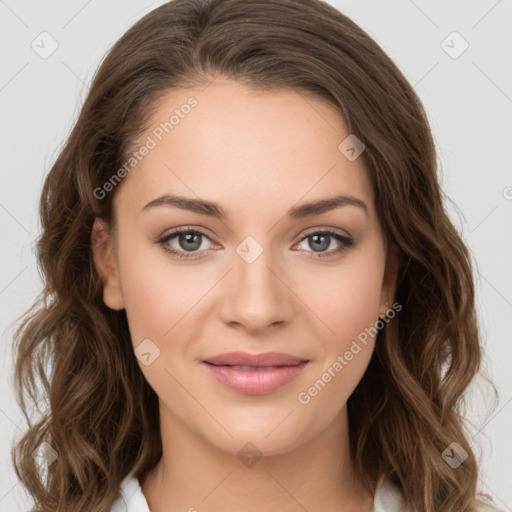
(255, 294)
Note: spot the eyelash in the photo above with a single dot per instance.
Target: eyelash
(346, 243)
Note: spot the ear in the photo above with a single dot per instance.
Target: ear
(106, 264)
(390, 280)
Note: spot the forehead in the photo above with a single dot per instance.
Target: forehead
(244, 147)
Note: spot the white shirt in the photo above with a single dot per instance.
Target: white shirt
(387, 497)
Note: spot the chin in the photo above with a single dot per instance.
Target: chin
(271, 435)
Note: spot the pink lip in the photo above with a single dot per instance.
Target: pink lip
(254, 374)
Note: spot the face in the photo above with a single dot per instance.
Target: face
(258, 273)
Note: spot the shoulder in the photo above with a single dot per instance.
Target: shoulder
(131, 498)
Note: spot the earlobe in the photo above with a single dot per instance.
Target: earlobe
(106, 265)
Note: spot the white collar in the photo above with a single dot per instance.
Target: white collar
(388, 497)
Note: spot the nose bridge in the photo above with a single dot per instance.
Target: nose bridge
(256, 297)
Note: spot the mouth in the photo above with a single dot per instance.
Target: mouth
(254, 374)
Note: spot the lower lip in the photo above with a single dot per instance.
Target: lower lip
(257, 381)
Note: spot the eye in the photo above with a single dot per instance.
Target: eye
(186, 240)
(319, 241)
(189, 243)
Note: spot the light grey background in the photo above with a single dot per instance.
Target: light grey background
(468, 100)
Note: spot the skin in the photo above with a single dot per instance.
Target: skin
(257, 154)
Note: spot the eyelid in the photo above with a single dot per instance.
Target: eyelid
(326, 229)
(187, 229)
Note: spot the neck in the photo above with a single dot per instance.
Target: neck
(194, 475)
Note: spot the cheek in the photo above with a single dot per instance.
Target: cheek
(349, 307)
(345, 299)
(159, 301)
(358, 305)
(157, 295)
(344, 350)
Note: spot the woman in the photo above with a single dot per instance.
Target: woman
(255, 299)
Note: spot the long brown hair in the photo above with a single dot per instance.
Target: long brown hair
(100, 415)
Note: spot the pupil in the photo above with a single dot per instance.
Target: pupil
(190, 238)
(323, 245)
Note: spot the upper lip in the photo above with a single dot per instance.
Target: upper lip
(256, 360)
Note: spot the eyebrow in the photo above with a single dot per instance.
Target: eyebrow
(212, 209)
